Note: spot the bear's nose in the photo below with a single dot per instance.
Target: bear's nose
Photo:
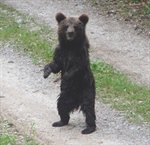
(70, 34)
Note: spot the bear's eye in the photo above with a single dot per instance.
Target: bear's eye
(66, 27)
(76, 27)
(81, 24)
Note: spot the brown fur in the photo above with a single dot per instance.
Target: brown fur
(71, 58)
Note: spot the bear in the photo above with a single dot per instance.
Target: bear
(71, 59)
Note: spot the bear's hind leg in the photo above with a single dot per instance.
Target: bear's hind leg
(60, 123)
(88, 110)
(64, 110)
(64, 118)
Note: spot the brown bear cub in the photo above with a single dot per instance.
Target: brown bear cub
(71, 58)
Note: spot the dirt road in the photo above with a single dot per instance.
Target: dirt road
(29, 98)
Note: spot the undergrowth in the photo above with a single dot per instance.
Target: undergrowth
(134, 11)
(9, 134)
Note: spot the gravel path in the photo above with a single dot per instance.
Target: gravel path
(32, 99)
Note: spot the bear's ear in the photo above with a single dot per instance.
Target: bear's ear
(59, 17)
(84, 18)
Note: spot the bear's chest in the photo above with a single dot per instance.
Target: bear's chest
(69, 59)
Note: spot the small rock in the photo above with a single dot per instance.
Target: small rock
(42, 69)
(35, 91)
(105, 119)
(2, 96)
(4, 11)
(45, 93)
(111, 12)
(10, 124)
(10, 61)
(136, 27)
(56, 80)
(139, 31)
(19, 21)
(127, 19)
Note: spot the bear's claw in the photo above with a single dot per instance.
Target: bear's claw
(47, 71)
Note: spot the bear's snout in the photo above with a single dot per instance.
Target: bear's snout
(70, 33)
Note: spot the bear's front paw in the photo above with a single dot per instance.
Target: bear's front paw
(47, 71)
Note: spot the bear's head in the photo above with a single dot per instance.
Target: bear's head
(71, 29)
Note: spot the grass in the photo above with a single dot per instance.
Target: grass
(14, 28)
(147, 7)
(112, 86)
(134, 11)
(6, 139)
(9, 134)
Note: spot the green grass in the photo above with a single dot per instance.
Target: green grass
(115, 88)
(6, 139)
(112, 86)
(34, 42)
(147, 7)
(9, 135)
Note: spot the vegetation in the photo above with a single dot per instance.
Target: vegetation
(112, 86)
(9, 134)
(133, 11)
(36, 41)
